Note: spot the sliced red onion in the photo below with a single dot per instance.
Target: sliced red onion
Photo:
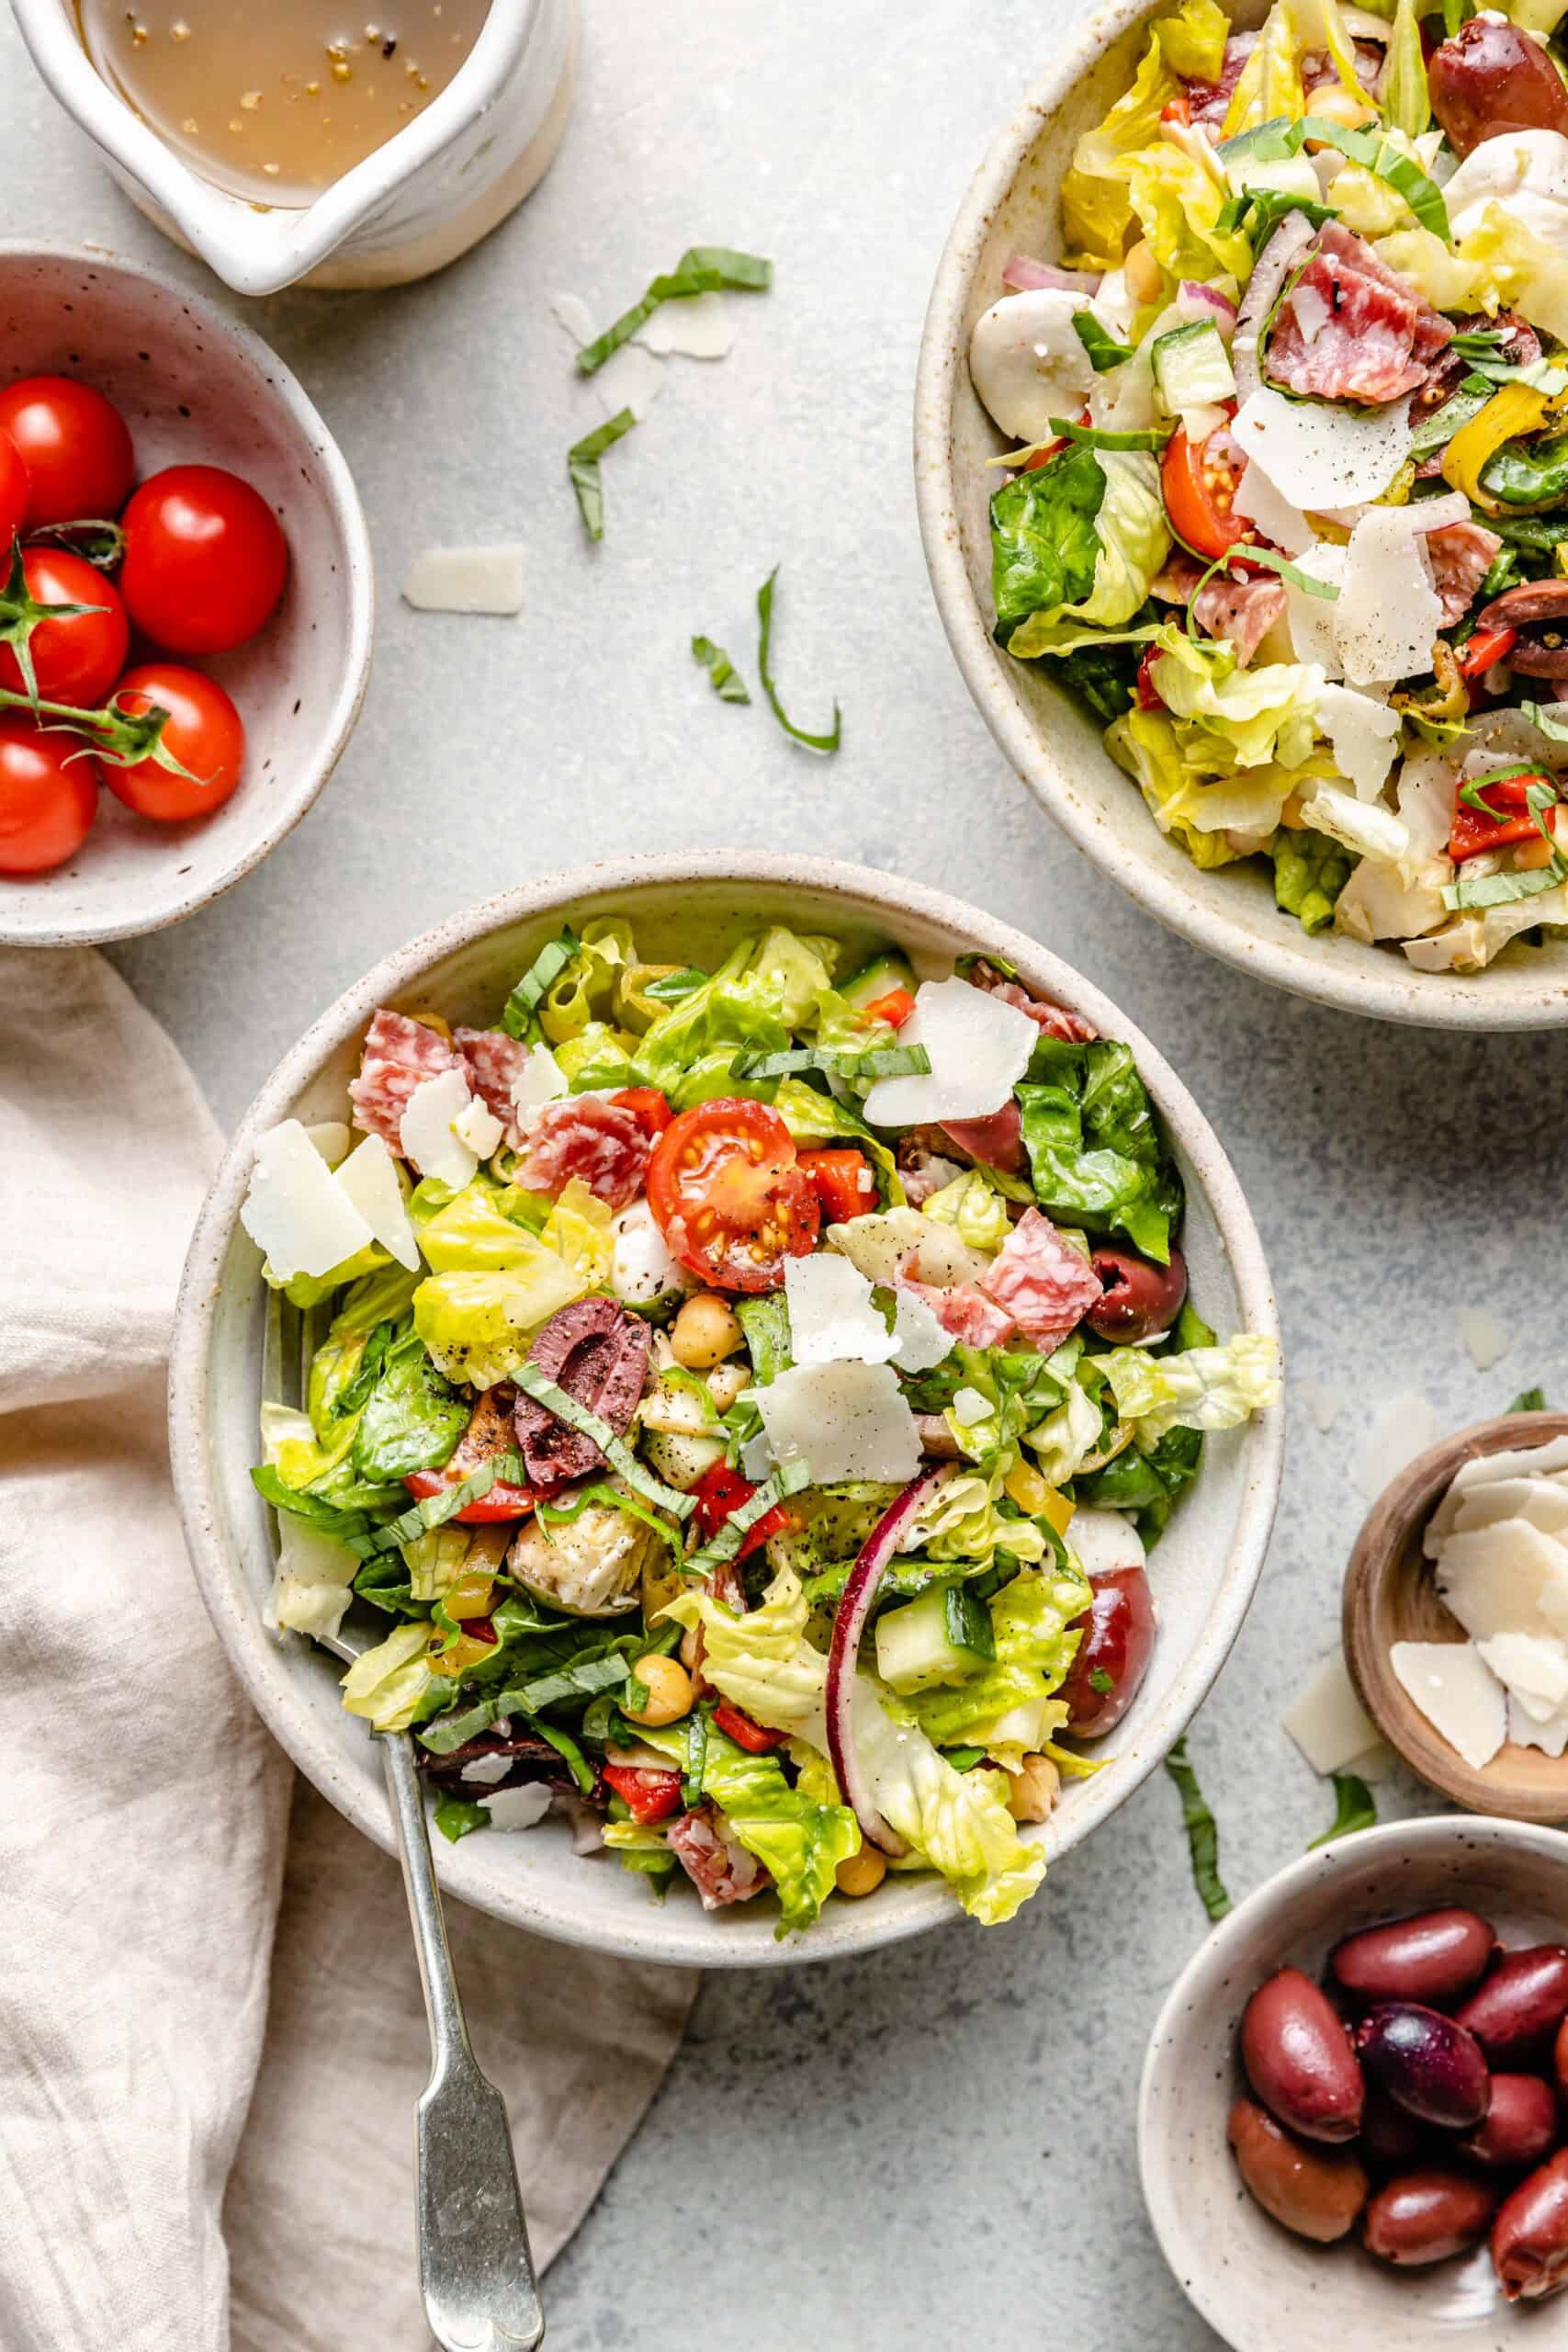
(849, 1624)
(1028, 276)
(1197, 303)
(1279, 257)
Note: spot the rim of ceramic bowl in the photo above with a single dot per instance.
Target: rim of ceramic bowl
(279, 385)
(1322, 968)
(264, 1669)
(1220, 1954)
(219, 225)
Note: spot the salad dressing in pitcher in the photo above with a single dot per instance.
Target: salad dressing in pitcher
(274, 100)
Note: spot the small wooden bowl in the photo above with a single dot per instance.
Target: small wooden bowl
(1390, 1597)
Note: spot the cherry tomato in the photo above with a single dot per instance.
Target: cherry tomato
(647, 1795)
(895, 1008)
(739, 1726)
(845, 1185)
(204, 733)
(78, 659)
(47, 796)
(13, 494)
(648, 1105)
(729, 1195)
(205, 559)
(1200, 486)
(74, 445)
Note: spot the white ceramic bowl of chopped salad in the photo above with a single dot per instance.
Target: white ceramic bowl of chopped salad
(709, 913)
(1012, 222)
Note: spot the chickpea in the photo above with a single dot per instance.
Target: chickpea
(669, 1692)
(863, 1873)
(1338, 105)
(705, 1333)
(1035, 1790)
(725, 1382)
(1145, 280)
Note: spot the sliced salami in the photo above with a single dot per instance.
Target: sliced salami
(1463, 555)
(996, 1142)
(966, 1311)
(1208, 101)
(717, 1864)
(1350, 330)
(1040, 1281)
(598, 1353)
(495, 1063)
(1054, 1019)
(1243, 611)
(399, 1056)
(604, 1143)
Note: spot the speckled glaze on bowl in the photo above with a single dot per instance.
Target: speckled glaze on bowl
(1050, 738)
(194, 388)
(1203, 1573)
(1259, 2287)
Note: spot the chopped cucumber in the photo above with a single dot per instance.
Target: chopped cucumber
(1192, 368)
(681, 1459)
(883, 974)
(942, 1637)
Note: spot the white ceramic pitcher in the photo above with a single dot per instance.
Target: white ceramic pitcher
(435, 187)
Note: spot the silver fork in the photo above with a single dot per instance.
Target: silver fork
(476, 2273)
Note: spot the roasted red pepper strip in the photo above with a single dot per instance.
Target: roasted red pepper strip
(1479, 652)
(1148, 694)
(739, 1726)
(1474, 831)
(844, 1183)
(719, 1493)
(895, 1008)
(645, 1105)
(648, 1795)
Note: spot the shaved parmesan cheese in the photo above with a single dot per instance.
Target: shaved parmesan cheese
(695, 326)
(518, 1808)
(632, 378)
(1388, 612)
(1542, 1501)
(572, 312)
(1402, 1426)
(479, 1127)
(296, 1211)
(1317, 456)
(1506, 1577)
(1534, 1668)
(1551, 1736)
(485, 1771)
(1323, 1403)
(1258, 501)
(1457, 1693)
(980, 1047)
(845, 1420)
(1102, 1540)
(426, 1130)
(1328, 1723)
(920, 1341)
(331, 1139)
(1485, 1334)
(1309, 618)
(832, 1316)
(1363, 735)
(369, 1177)
(540, 1080)
(1486, 1469)
(465, 580)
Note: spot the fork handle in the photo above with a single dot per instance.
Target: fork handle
(476, 2273)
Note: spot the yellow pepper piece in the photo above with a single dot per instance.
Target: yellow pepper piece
(1029, 1490)
(1512, 410)
(470, 1596)
(462, 1655)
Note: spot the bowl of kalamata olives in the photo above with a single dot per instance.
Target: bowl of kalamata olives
(1355, 2104)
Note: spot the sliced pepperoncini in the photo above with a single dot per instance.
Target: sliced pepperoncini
(1030, 1491)
(463, 1655)
(1512, 408)
(470, 1596)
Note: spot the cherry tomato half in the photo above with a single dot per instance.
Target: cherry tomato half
(49, 796)
(1200, 487)
(730, 1196)
(204, 733)
(75, 659)
(205, 560)
(490, 1431)
(74, 445)
(13, 494)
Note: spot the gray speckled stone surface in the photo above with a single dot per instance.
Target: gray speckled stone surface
(935, 2144)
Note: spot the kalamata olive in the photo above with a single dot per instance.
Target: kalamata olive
(1391, 2141)
(1521, 2129)
(1299, 2060)
(1113, 1656)
(1490, 78)
(1436, 1957)
(598, 1353)
(1430, 2065)
(1427, 2217)
(1316, 2191)
(1563, 2062)
(1529, 2237)
(1516, 2010)
(1140, 1299)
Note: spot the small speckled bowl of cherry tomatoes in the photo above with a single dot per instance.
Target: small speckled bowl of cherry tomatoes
(186, 599)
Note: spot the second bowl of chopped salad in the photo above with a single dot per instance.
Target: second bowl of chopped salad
(1243, 443)
(772, 1378)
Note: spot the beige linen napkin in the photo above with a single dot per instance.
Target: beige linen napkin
(181, 1927)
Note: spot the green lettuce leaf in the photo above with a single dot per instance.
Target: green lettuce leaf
(1076, 541)
(411, 1419)
(975, 1207)
(1201, 1388)
(1265, 714)
(1310, 871)
(800, 1835)
(1096, 1148)
(1008, 1707)
(388, 1684)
